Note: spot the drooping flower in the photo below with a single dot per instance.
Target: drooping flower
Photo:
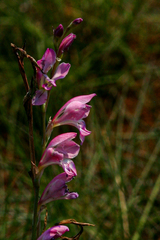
(54, 232)
(57, 189)
(73, 113)
(43, 81)
(59, 149)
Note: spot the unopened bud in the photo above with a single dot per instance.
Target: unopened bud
(58, 32)
(66, 43)
(77, 21)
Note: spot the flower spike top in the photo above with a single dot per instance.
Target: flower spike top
(54, 232)
(43, 81)
(73, 113)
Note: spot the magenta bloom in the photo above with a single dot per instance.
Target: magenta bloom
(66, 43)
(60, 148)
(57, 189)
(54, 232)
(73, 113)
(43, 81)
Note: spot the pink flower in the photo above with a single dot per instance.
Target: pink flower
(54, 232)
(73, 113)
(57, 189)
(60, 148)
(43, 81)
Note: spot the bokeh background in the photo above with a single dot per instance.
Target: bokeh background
(116, 55)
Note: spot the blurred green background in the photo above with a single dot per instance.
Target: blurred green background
(116, 55)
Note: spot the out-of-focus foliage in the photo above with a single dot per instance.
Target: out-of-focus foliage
(116, 55)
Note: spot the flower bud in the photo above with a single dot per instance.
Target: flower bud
(66, 43)
(77, 21)
(58, 32)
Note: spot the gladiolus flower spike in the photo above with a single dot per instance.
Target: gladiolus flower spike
(54, 232)
(73, 113)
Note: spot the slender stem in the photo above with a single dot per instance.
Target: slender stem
(44, 126)
(27, 102)
(35, 216)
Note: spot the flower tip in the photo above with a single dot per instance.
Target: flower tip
(77, 21)
(58, 32)
(66, 43)
(72, 195)
(54, 232)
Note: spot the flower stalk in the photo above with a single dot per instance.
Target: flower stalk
(61, 149)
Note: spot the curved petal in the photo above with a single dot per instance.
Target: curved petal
(83, 99)
(61, 72)
(61, 138)
(47, 86)
(66, 43)
(83, 131)
(40, 97)
(53, 232)
(70, 149)
(48, 60)
(63, 176)
(71, 195)
(69, 167)
(50, 157)
(54, 190)
(74, 111)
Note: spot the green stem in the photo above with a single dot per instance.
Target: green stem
(44, 126)
(35, 217)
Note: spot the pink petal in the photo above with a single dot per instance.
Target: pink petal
(48, 60)
(63, 176)
(54, 232)
(83, 131)
(50, 157)
(71, 195)
(69, 167)
(47, 86)
(61, 138)
(74, 111)
(83, 99)
(59, 148)
(66, 43)
(40, 97)
(61, 72)
(56, 189)
(69, 149)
